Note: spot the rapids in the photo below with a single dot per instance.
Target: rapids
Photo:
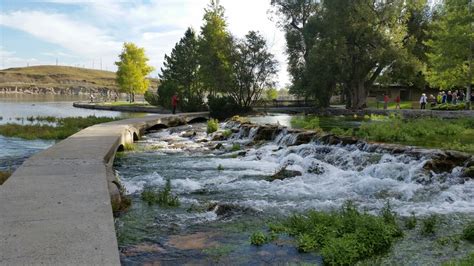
(203, 174)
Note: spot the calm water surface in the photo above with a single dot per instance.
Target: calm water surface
(16, 108)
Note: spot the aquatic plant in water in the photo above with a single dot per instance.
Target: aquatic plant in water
(212, 126)
(410, 222)
(343, 237)
(163, 197)
(468, 232)
(428, 225)
(258, 238)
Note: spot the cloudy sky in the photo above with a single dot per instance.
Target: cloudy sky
(87, 32)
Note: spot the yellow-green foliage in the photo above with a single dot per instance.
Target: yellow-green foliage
(63, 128)
(258, 239)
(132, 69)
(212, 126)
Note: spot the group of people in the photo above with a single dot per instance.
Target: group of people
(450, 97)
(455, 97)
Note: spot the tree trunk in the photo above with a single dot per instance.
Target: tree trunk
(358, 93)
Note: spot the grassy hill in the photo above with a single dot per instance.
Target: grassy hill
(59, 77)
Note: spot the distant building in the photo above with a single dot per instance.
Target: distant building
(406, 93)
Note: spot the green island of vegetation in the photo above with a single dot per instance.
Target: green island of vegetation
(51, 128)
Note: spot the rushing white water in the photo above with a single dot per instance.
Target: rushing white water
(330, 176)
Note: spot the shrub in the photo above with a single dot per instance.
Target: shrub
(258, 239)
(225, 107)
(428, 225)
(220, 167)
(163, 197)
(468, 232)
(306, 243)
(212, 126)
(152, 98)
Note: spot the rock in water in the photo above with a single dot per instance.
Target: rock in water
(284, 174)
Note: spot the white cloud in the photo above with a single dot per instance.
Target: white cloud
(99, 28)
(10, 59)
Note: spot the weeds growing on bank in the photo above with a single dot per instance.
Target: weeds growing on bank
(453, 134)
(163, 197)
(468, 232)
(64, 127)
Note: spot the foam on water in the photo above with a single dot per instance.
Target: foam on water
(330, 176)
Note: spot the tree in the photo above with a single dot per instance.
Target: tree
(180, 74)
(271, 94)
(450, 58)
(346, 43)
(215, 50)
(254, 69)
(132, 70)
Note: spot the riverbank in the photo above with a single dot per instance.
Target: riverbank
(123, 107)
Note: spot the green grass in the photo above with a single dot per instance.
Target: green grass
(63, 128)
(343, 237)
(454, 134)
(258, 238)
(468, 232)
(4, 176)
(391, 105)
(307, 122)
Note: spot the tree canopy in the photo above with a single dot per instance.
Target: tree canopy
(451, 49)
(180, 74)
(132, 70)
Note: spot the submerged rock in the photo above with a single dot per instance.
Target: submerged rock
(267, 132)
(439, 165)
(199, 241)
(468, 172)
(305, 137)
(284, 174)
(140, 249)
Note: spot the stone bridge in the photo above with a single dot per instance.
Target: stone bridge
(56, 209)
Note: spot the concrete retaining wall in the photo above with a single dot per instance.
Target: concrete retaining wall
(56, 208)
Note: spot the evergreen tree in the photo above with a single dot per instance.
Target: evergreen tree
(180, 75)
(215, 50)
(133, 70)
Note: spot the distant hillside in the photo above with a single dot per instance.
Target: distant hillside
(59, 78)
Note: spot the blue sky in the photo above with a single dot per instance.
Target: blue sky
(87, 32)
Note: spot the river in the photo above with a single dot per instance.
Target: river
(17, 108)
(225, 197)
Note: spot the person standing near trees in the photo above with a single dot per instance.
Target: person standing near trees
(397, 100)
(423, 101)
(174, 102)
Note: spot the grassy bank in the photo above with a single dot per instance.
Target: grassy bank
(56, 129)
(453, 134)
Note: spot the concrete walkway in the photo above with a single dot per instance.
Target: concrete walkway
(56, 208)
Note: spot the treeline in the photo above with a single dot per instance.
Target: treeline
(229, 72)
(345, 46)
